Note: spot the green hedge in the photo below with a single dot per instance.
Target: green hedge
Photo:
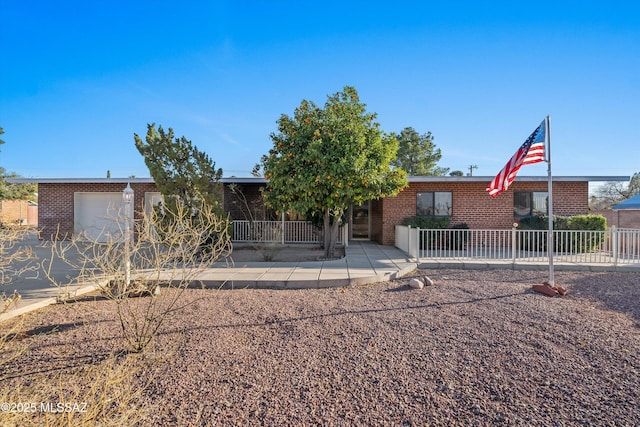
(448, 241)
(583, 242)
(427, 222)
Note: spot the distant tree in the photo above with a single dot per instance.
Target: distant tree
(179, 169)
(417, 154)
(324, 159)
(15, 191)
(456, 173)
(10, 191)
(612, 193)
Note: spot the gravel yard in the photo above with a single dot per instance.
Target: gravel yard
(478, 348)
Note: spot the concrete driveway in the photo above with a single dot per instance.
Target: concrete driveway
(364, 262)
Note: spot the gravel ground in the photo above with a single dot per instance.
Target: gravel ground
(478, 348)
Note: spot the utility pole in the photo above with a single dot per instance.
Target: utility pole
(471, 168)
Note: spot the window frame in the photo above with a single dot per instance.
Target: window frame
(433, 204)
(533, 210)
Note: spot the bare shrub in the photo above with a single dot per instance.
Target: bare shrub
(106, 393)
(169, 250)
(260, 233)
(15, 260)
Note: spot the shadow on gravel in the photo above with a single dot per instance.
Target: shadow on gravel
(43, 330)
(275, 320)
(617, 291)
(58, 364)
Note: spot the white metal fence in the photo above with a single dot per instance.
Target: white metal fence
(278, 232)
(614, 246)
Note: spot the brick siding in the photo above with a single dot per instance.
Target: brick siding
(240, 209)
(624, 218)
(472, 205)
(56, 204)
(13, 211)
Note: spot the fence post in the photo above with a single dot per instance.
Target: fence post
(614, 238)
(414, 248)
(513, 244)
(282, 231)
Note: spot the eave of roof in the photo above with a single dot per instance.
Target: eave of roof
(258, 180)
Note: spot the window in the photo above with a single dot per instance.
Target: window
(433, 203)
(529, 203)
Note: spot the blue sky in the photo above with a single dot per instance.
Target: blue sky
(79, 78)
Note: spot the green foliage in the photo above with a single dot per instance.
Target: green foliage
(179, 169)
(427, 222)
(587, 240)
(15, 191)
(324, 159)
(575, 222)
(449, 240)
(186, 177)
(417, 154)
(587, 222)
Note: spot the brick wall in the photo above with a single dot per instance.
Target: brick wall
(56, 205)
(12, 211)
(473, 206)
(621, 218)
(239, 209)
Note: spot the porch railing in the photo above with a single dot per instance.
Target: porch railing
(615, 246)
(278, 232)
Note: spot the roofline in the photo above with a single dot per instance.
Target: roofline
(260, 180)
(522, 178)
(80, 180)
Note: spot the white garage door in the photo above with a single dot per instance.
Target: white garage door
(99, 216)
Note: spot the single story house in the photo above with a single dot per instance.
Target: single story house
(74, 205)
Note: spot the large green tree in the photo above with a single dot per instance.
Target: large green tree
(417, 154)
(179, 169)
(324, 159)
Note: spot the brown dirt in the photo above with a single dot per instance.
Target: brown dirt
(278, 253)
(478, 348)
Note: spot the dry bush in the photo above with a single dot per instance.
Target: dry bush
(169, 250)
(107, 393)
(14, 261)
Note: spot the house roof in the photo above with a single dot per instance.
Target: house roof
(258, 180)
(632, 203)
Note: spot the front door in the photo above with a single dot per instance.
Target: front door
(360, 221)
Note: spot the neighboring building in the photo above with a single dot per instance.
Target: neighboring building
(625, 214)
(18, 212)
(73, 205)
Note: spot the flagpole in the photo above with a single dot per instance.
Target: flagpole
(549, 203)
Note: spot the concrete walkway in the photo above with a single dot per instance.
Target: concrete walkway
(364, 262)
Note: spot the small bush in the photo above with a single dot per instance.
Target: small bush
(578, 242)
(427, 222)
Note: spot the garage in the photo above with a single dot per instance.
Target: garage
(98, 216)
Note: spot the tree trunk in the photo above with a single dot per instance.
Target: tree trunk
(330, 233)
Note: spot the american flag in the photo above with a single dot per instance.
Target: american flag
(532, 151)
